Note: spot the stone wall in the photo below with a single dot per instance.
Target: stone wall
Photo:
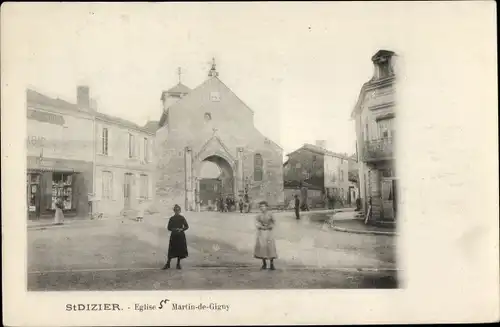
(305, 161)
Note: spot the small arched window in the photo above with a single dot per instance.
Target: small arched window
(258, 169)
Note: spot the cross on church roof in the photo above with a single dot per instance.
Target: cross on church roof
(179, 72)
(213, 72)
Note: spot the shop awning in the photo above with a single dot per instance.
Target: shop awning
(50, 169)
(52, 164)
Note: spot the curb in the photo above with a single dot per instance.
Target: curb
(70, 223)
(250, 267)
(359, 231)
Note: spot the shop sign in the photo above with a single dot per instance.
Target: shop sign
(48, 164)
(46, 117)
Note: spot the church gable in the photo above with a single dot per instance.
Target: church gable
(214, 101)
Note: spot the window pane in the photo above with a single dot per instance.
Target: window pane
(130, 145)
(258, 171)
(105, 141)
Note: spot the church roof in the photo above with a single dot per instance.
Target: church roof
(178, 89)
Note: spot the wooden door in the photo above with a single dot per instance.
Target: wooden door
(127, 185)
(388, 198)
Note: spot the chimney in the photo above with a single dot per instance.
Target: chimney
(383, 65)
(321, 143)
(83, 97)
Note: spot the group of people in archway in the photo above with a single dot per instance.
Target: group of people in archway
(229, 204)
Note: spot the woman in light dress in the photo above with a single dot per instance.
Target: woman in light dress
(59, 216)
(265, 246)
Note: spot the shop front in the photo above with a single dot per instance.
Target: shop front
(49, 180)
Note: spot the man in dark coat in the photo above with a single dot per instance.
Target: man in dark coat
(297, 207)
(241, 204)
(221, 204)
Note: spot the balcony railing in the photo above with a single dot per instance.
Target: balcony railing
(380, 149)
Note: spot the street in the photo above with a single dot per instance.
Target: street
(122, 254)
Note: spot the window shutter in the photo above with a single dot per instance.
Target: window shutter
(137, 147)
(99, 139)
(98, 184)
(140, 145)
(115, 187)
(128, 145)
(110, 142)
(151, 145)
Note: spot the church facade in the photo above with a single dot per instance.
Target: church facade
(210, 123)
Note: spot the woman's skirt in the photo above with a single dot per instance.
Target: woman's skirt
(265, 246)
(59, 216)
(177, 247)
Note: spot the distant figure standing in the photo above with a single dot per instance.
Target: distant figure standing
(141, 210)
(177, 247)
(221, 204)
(247, 203)
(358, 204)
(265, 245)
(59, 216)
(332, 201)
(241, 204)
(297, 207)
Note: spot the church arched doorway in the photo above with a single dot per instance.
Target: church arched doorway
(215, 181)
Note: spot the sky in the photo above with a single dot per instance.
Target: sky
(299, 66)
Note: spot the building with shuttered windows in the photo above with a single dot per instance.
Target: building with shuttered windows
(91, 161)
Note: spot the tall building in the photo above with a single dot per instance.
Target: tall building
(210, 123)
(374, 116)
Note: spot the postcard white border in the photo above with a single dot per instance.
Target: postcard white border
(449, 223)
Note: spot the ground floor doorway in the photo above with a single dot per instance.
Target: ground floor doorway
(127, 190)
(389, 199)
(45, 188)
